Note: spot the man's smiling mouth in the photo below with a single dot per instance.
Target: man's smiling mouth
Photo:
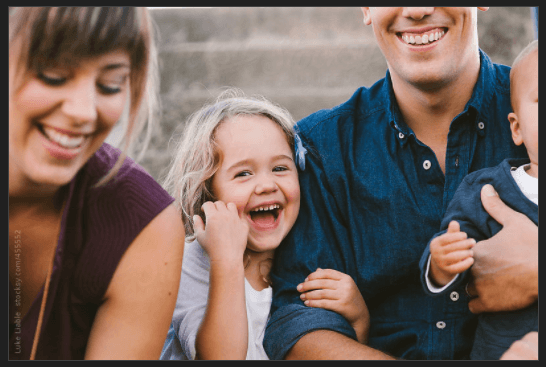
(424, 38)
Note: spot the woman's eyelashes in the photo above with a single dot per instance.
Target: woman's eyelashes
(51, 79)
(106, 88)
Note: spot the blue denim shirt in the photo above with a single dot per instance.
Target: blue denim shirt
(372, 196)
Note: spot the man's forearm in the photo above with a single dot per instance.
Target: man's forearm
(327, 344)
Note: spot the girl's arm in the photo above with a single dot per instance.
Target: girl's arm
(223, 333)
(135, 316)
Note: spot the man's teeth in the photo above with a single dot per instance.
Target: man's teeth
(424, 38)
(63, 140)
(266, 207)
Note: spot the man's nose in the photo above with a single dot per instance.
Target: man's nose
(417, 13)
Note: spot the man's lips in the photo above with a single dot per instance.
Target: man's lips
(422, 36)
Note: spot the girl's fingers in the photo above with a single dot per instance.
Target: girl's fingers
(325, 274)
(198, 224)
(310, 285)
(324, 294)
(323, 303)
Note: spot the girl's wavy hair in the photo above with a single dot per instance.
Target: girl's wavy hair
(42, 37)
(197, 155)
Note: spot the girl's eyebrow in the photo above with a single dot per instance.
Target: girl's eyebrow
(248, 161)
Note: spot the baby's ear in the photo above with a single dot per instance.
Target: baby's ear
(516, 128)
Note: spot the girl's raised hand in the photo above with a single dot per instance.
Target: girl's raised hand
(337, 291)
(225, 235)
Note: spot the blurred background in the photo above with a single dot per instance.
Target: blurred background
(304, 59)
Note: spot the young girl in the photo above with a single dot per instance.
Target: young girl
(95, 246)
(236, 181)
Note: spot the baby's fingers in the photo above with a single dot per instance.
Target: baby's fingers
(460, 266)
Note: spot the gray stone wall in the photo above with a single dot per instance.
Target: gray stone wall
(302, 58)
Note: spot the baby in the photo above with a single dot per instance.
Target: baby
(446, 261)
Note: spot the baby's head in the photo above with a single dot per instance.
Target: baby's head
(239, 149)
(524, 98)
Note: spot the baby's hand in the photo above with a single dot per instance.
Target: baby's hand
(450, 254)
(225, 236)
(336, 291)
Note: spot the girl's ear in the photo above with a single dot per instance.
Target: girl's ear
(516, 129)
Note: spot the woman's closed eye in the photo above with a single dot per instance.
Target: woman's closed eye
(52, 79)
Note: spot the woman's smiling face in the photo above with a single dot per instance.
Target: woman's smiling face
(59, 117)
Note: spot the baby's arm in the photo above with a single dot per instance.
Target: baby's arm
(223, 333)
(336, 291)
(450, 254)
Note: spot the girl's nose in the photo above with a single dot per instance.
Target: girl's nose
(265, 185)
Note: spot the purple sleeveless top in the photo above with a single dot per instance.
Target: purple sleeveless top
(97, 227)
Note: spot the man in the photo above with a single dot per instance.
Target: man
(379, 173)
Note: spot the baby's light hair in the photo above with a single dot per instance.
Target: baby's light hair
(196, 158)
(530, 48)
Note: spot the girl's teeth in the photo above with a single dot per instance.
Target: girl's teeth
(63, 140)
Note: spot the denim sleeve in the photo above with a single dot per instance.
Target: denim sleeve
(319, 239)
(289, 323)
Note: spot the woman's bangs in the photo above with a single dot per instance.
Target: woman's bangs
(62, 36)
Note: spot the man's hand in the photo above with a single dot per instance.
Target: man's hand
(525, 348)
(505, 270)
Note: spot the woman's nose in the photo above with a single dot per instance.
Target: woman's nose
(80, 103)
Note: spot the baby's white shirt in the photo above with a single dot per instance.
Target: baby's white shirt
(528, 186)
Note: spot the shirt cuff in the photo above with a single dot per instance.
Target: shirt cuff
(431, 287)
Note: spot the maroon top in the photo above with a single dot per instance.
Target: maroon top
(98, 225)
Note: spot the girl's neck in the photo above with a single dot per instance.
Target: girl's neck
(257, 268)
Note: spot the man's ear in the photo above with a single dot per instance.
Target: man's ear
(516, 129)
(367, 15)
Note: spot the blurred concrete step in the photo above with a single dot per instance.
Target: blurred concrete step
(275, 64)
(188, 25)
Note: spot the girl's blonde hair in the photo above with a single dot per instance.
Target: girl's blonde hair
(196, 157)
(41, 37)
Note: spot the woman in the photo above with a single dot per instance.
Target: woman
(89, 228)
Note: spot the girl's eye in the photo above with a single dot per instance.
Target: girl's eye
(51, 79)
(280, 169)
(243, 174)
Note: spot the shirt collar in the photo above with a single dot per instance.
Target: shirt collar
(476, 107)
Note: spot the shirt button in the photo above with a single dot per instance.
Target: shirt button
(481, 125)
(454, 296)
(401, 135)
(426, 164)
(440, 324)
